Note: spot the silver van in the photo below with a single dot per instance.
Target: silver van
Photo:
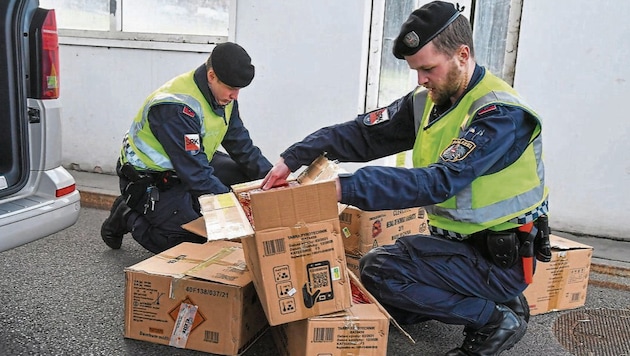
(38, 197)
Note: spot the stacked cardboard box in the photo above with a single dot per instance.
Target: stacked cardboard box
(292, 247)
(364, 230)
(192, 296)
(363, 329)
(296, 253)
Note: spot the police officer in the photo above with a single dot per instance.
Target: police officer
(477, 169)
(169, 155)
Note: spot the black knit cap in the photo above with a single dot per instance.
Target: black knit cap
(232, 65)
(422, 26)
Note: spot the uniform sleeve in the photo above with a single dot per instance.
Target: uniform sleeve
(369, 136)
(241, 148)
(498, 138)
(170, 123)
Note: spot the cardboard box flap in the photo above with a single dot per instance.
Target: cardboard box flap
(320, 170)
(356, 312)
(560, 243)
(354, 280)
(226, 266)
(299, 204)
(220, 261)
(253, 185)
(197, 226)
(173, 262)
(224, 217)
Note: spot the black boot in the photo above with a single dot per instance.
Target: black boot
(494, 337)
(115, 226)
(519, 306)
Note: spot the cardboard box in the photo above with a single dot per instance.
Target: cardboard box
(362, 330)
(296, 254)
(364, 230)
(223, 215)
(561, 283)
(352, 261)
(194, 296)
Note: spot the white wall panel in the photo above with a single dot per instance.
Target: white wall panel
(573, 68)
(102, 89)
(311, 64)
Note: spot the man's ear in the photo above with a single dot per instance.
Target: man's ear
(463, 55)
(211, 75)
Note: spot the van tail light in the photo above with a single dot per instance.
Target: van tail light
(65, 190)
(45, 59)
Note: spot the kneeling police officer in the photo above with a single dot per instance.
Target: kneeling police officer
(478, 171)
(170, 154)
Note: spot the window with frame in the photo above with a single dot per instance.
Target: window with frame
(183, 21)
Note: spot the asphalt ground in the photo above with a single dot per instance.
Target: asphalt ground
(64, 295)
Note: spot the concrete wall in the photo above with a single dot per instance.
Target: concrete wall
(101, 89)
(310, 71)
(572, 66)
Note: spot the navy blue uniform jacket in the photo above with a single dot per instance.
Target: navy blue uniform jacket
(507, 131)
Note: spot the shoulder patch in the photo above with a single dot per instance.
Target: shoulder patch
(376, 117)
(188, 111)
(192, 144)
(457, 150)
(487, 109)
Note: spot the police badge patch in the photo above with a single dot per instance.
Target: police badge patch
(457, 150)
(411, 39)
(376, 117)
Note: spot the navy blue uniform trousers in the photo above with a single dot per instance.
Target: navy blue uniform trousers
(423, 278)
(160, 228)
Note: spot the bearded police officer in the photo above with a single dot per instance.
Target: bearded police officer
(169, 155)
(477, 151)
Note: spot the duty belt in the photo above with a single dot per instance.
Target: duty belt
(524, 219)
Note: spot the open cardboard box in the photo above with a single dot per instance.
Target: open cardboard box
(222, 217)
(291, 241)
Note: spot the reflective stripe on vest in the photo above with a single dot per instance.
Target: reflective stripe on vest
(487, 203)
(145, 152)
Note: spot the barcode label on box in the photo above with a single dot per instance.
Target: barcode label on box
(211, 336)
(274, 247)
(345, 218)
(323, 335)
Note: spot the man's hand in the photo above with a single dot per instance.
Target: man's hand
(277, 175)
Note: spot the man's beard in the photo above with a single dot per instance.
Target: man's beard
(454, 79)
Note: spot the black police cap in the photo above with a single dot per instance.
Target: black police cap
(422, 26)
(232, 65)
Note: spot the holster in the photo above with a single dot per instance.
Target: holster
(136, 191)
(136, 194)
(502, 248)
